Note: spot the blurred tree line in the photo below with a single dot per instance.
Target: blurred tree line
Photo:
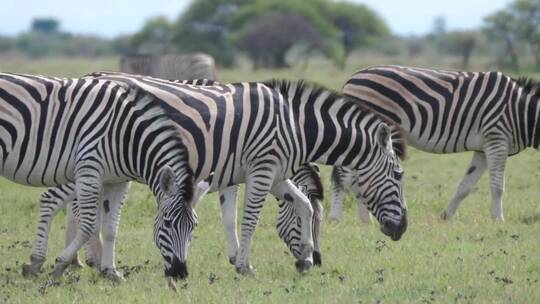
(270, 32)
(511, 36)
(45, 39)
(264, 30)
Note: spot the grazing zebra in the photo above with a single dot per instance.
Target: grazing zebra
(263, 133)
(91, 132)
(446, 112)
(189, 66)
(306, 179)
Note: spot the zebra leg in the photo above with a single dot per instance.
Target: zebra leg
(228, 198)
(337, 194)
(202, 188)
(71, 230)
(257, 187)
(88, 189)
(287, 191)
(111, 207)
(496, 154)
(317, 221)
(476, 168)
(93, 246)
(363, 212)
(50, 203)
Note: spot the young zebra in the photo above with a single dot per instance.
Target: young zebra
(91, 132)
(262, 134)
(447, 112)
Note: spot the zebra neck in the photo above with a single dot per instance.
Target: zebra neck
(338, 140)
(530, 113)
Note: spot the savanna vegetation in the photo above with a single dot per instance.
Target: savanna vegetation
(470, 259)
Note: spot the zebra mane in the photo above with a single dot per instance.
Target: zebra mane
(399, 140)
(528, 84)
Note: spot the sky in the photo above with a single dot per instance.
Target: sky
(110, 18)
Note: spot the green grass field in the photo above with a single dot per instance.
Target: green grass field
(467, 260)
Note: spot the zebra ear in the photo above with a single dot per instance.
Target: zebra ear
(167, 181)
(383, 136)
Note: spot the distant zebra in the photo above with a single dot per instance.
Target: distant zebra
(261, 134)
(183, 67)
(91, 132)
(446, 112)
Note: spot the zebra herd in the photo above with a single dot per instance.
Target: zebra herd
(87, 138)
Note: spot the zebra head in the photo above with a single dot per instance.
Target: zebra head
(175, 222)
(379, 185)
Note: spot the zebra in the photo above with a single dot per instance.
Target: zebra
(91, 132)
(246, 132)
(184, 67)
(447, 112)
(306, 178)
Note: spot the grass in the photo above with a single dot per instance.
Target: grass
(467, 260)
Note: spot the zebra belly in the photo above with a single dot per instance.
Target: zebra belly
(39, 174)
(450, 145)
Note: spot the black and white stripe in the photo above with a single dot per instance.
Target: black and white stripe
(446, 112)
(261, 134)
(90, 132)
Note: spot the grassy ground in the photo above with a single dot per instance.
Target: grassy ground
(467, 260)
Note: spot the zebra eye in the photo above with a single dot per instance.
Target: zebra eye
(398, 175)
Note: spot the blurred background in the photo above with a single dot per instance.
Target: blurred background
(321, 40)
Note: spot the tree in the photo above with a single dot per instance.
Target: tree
(527, 18)
(45, 25)
(502, 26)
(6, 44)
(270, 37)
(155, 36)
(310, 11)
(359, 25)
(461, 43)
(439, 26)
(205, 27)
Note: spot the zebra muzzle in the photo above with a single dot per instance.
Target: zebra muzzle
(178, 270)
(395, 229)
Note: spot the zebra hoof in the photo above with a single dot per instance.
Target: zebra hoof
(317, 259)
(34, 267)
(30, 269)
(498, 219)
(246, 270)
(92, 262)
(59, 269)
(76, 263)
(302, 266)
(232, 260)
(113, 275)
(445, 216)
